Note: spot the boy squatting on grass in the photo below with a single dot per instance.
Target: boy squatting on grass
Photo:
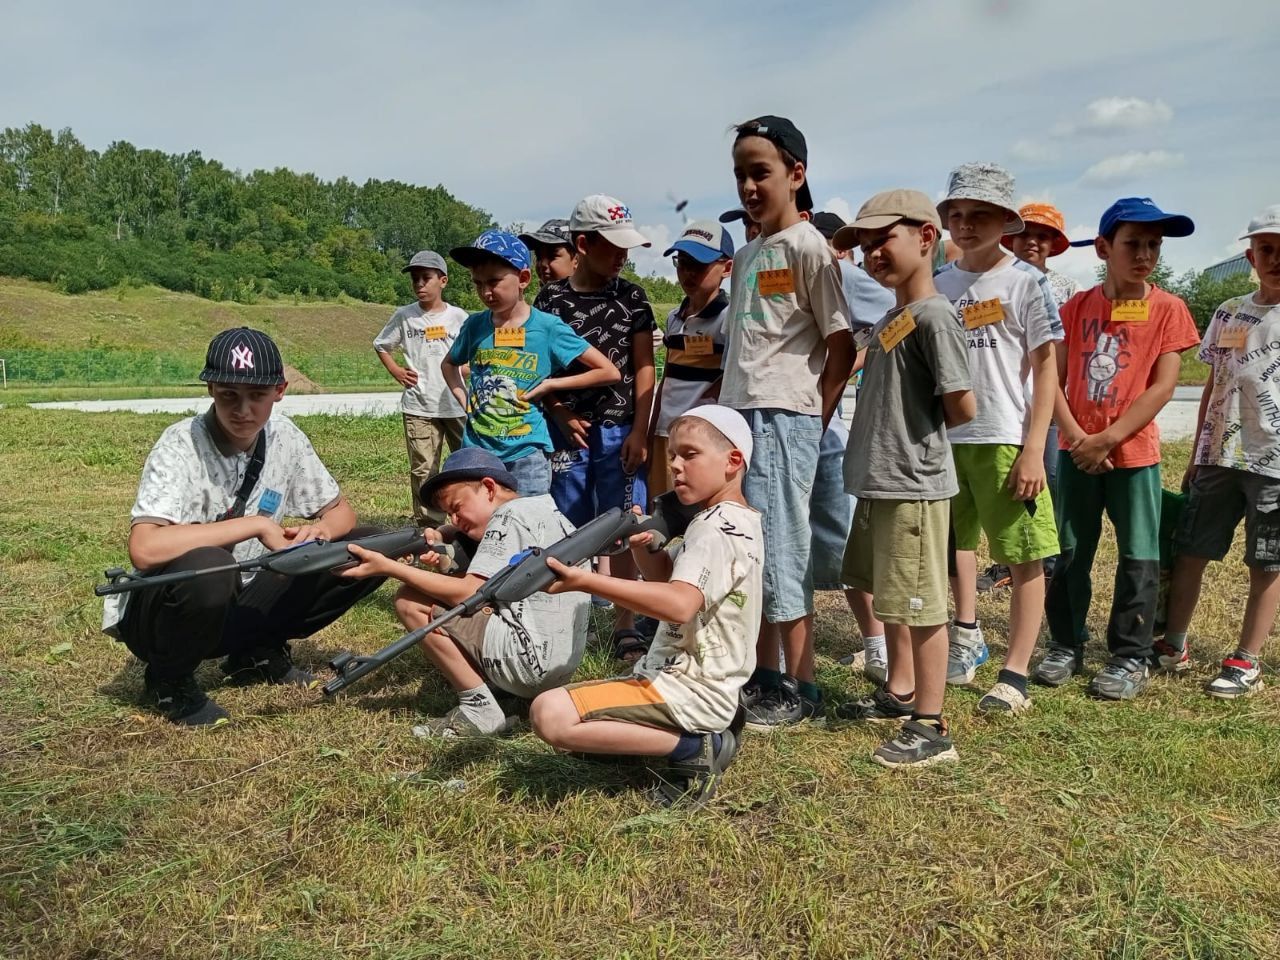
(511, 351)
(215, 490)
(601, 434)
(522, 648)
(1117, 369)
(424, 331)
(788, 354)
(681, 701)
(900, 469)
(1011, 324)
(1235, 472)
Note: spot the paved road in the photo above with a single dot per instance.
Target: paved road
(1177, 421)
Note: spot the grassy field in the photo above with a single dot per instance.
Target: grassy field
(1143, 830)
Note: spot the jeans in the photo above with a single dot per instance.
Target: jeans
(532, 473)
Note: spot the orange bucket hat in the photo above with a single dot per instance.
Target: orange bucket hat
(1044, 215)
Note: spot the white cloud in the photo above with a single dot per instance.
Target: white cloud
(1123, 167)
(840, 207)
(1033, 152)
(649, 260)
(1108, 115)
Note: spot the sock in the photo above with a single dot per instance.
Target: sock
(810, 691)
(691, 743)
(1178, 641)
(1016, 680)
(766, 679)
(966, 626)
(479, 707)
(875, 648)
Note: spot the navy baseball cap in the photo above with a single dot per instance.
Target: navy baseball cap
(242, 355)
(1140, 210)
(705, 241)
(784, 134)
(469, 463)
(494, 243)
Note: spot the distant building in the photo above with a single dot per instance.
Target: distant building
(1230, 267)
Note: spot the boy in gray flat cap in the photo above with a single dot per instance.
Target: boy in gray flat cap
(424, 331)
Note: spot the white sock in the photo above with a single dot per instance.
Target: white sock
(875, 649)
(481, 709)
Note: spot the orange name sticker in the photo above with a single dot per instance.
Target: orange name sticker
(1130, 311)
(1233, 337)
(896, 330)
(771, 282)
(435, 333)
(698, 345)
(983, 313)
(508, 337)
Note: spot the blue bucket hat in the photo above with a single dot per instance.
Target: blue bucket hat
(1140, 210)
(469, 463)
(494, 243)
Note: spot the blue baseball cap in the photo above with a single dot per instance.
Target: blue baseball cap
(494, 243)
(469, 463)
(1140, 210)
(704, 240)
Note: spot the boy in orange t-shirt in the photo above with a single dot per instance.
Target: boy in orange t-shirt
(1117, 369)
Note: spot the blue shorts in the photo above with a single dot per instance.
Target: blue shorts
(784, 463)
(830, 508)
(532, 473)
(586, 483)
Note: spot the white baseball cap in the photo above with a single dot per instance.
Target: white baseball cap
(609, 217)
(729, 422)
(1268, 221)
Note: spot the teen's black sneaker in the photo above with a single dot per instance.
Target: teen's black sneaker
(1059, 665)
(1240, 676)
(183, 702)
(782, 706)
(879, 706)
(917, 745)
(995, 577)
(1123, 678)
(265, 665)
(694, 781)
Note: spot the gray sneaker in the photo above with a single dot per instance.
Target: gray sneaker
(916, 745)
(454, 726)
(878, 706)
(783, 706)
(1121, 679)
(875, 669)
(1059, 665)
(967, 651)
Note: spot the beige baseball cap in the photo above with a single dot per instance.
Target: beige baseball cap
(884, 210)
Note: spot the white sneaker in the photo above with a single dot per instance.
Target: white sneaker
(1239, 677)
(875, 669)
(454, 726)
(966, 653)
(1005, 698)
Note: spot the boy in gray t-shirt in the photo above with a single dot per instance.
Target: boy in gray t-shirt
(523, 647)
(898, 464)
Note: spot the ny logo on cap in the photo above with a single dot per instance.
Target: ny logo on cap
(241, 358)
(619, 212)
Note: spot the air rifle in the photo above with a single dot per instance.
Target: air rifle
(527, 573)
(310, 557)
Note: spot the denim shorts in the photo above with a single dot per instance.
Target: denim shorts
(533, 474)
(586, 483)
(830, 508)
(784, 463)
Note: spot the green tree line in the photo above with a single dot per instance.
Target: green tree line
(88, 220)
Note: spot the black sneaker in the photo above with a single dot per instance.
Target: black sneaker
(917, 745)
(750, 695)
(694, 781)
(995, 577)
(183, 702)
(781, 707)
(879, 706)
(265, 665)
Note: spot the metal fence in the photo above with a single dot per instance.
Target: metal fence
(119, 367)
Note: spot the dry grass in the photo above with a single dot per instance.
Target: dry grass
(1124, 831)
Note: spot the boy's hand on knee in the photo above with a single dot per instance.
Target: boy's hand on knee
(1026, 478)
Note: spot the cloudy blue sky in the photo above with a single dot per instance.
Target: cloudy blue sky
(521, 108)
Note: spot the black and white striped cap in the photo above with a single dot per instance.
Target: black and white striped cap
(243, 355)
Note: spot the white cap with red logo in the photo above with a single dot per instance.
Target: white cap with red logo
(609, 217)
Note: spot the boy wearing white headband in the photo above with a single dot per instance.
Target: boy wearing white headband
(706, 589)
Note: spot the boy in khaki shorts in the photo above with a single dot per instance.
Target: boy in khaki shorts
(901, 472)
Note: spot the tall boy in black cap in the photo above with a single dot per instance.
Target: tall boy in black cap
(217, 488)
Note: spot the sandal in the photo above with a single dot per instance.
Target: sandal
(629, 645)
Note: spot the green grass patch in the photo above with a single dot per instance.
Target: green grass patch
(1142, 830)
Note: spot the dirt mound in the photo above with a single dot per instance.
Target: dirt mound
(299, 382)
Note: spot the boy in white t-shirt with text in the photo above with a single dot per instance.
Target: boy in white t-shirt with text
(1011, 324)
(424, 331)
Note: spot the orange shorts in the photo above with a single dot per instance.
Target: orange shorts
(631, 700)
